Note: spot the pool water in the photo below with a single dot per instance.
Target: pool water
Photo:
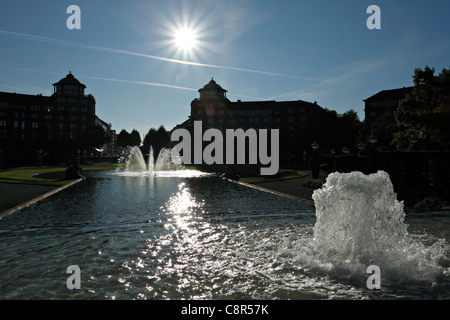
(188, 235)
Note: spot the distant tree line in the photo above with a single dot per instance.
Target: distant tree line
(157, 139)
(125, 139)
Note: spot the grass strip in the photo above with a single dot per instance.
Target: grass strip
(26, 175)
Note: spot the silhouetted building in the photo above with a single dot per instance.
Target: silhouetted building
(384, 102)
(51, 126)
(297, 121)
(110, 147)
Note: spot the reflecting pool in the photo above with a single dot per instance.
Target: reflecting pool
(189, 235)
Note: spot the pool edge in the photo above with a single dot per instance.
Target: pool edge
(282, 194)
(39, 198)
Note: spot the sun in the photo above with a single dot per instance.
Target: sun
(185, 39)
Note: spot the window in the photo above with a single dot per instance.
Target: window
(2, 123)
(34, 125)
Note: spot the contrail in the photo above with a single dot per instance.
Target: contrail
(126, 52)
(155, 84)
(146, 83)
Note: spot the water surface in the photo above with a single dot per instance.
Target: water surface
(143, 236)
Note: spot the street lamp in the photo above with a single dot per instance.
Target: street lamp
(413, 139)
(373, 139)
(372, 160)
(361, 146)
(39, 152)
(315, 161)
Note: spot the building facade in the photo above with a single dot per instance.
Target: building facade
(296, 120)
(50, 127)
(383, 102)
(110, 147)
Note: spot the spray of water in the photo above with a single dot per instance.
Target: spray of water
(133, 163)
(360, 222)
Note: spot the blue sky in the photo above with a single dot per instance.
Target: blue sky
(277, 50)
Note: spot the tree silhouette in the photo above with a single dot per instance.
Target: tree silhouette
(93, 137)
(125, 139)
(425, 113)
(157, 139)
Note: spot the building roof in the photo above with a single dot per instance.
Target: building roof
(69, 79)
(391, 94)
(212, 85)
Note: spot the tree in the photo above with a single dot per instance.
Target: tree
(135, 138)
(93, 137)
(149, 139)
(123, 138)
(157, 139)
(425, 113)
(384, 129)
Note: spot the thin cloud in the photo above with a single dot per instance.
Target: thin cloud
(145, 83)
(143, 55)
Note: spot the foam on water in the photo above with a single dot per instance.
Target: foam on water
(360, 222)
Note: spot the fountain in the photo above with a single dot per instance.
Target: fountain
(360, 222)
(133, 163)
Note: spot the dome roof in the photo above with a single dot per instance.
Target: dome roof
(212, 85)
(69, 79)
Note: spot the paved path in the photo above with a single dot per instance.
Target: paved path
(293, 187)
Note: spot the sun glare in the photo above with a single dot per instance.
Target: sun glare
(185, 39)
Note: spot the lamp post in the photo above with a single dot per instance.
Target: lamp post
(39, 154)
(361, 147)
(315, 161)
(413, 140)
(373, 139)
(305, 159)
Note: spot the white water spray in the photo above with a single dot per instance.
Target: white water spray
(360, 222)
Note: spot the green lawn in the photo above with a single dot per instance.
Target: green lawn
(25, 175)
(283, 174)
